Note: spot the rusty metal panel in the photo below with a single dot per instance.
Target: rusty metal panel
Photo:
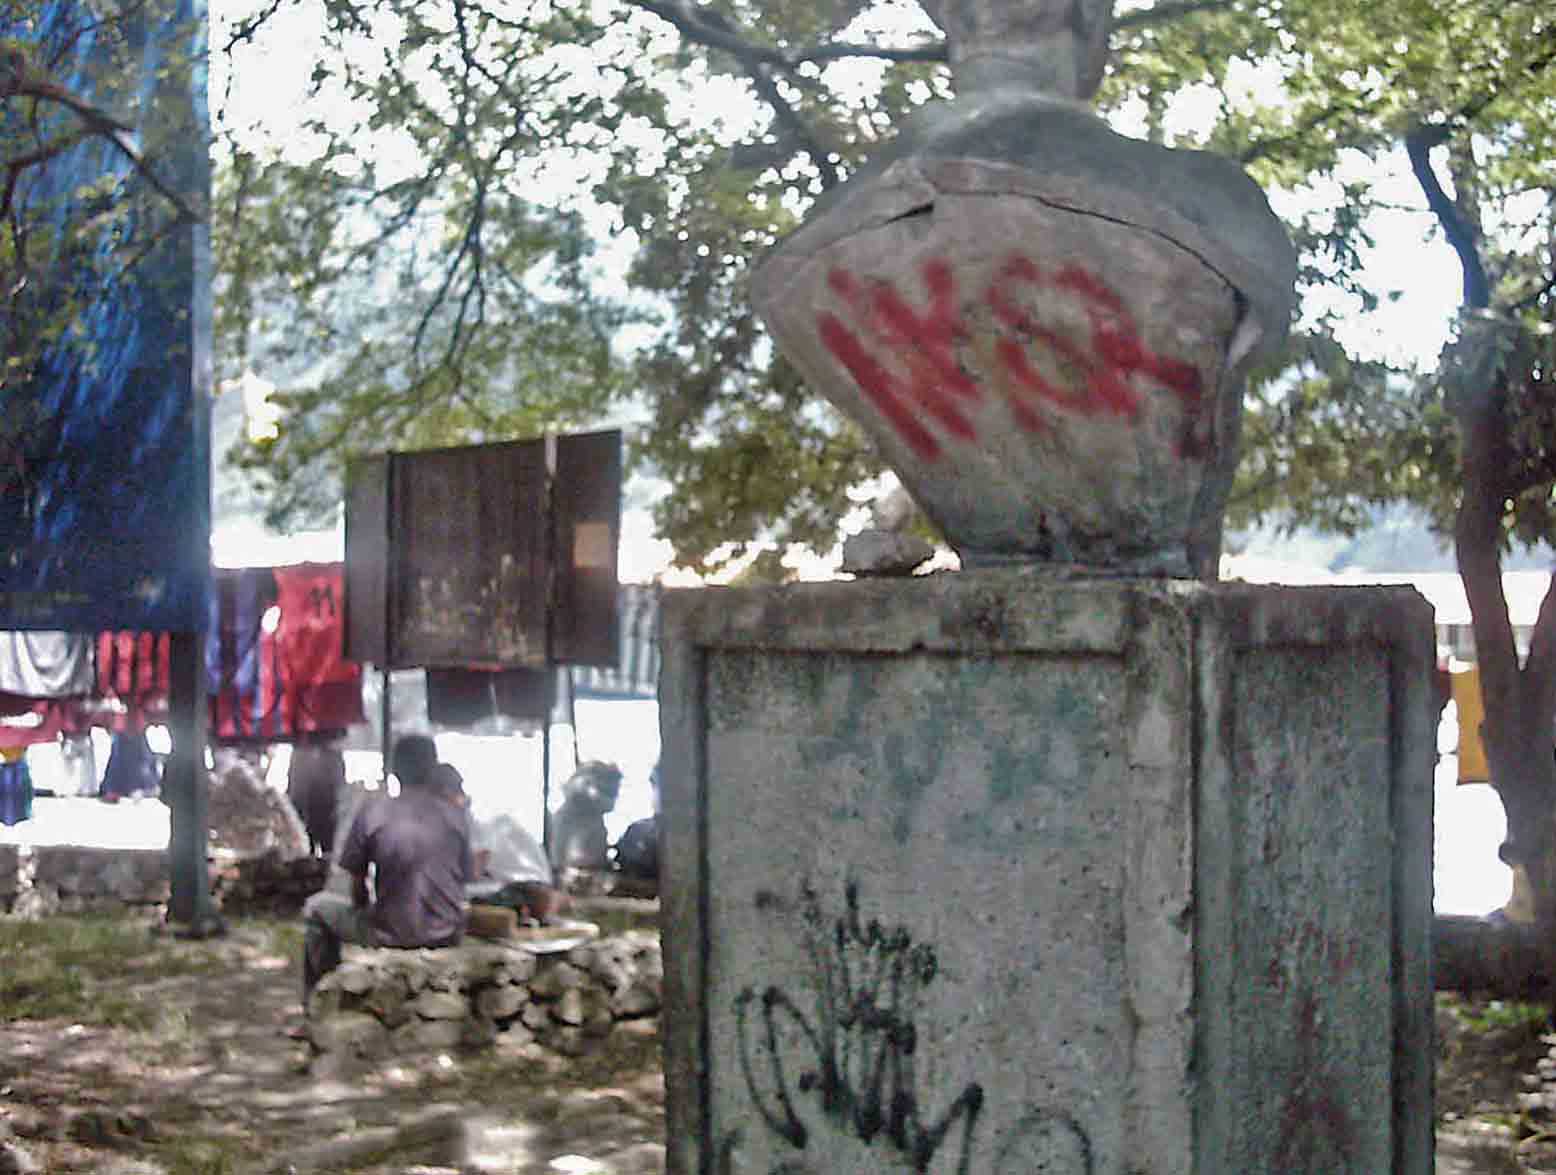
(469, 561)
(586, 504)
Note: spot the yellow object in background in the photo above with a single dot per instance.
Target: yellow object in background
(12, 754)
(1473, 767)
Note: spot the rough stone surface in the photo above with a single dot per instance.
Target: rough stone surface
(249, 817)
(466, 995)
(1129, 876)
(15, 1159)
(884, 552)
(356, 1032)
(499, 1002)
(77, 878)
(556, 979)
(269, 885)
(1043, 325)
(441, 1005)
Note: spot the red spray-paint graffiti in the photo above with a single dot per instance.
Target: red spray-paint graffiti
(1316, 1127)
(905, 360)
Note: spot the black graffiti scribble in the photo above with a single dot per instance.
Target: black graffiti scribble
(1046, 1142)
(867, 982)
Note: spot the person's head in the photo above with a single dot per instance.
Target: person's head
(414, 759)
(595, 784)
(449, 783)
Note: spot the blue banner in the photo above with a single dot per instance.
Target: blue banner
(104, 429)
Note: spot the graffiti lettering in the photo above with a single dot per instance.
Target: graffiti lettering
(924, 344)
(1316, 1128)
(1314, 1123)
(862, 1038)
(321, 599)
(923, 392)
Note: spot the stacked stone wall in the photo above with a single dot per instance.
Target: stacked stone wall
(268, 886)
(65, 879)
(396, 1002)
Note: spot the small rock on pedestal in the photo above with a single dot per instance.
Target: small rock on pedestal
(884, 552)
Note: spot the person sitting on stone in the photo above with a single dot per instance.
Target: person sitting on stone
(579, 839)
(510, 868)
(417, 845)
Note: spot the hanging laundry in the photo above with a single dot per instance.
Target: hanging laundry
(321, 690)
(132, 673)
(132, 768)
(242, 660)
(45, 664)
(15, 787)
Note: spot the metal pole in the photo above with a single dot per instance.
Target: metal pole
(391, 575)
(572, 716)
(189, 901)
(385, 719)
(548, 530)
(545, 785)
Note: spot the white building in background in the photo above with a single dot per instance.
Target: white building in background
(1444, 590)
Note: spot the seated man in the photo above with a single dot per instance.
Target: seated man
(418, 845)
(511, 870)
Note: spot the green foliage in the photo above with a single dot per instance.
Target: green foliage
(1512, 1017)
(397, 264)
(1308, 92)
(419, 261)
(419, 278)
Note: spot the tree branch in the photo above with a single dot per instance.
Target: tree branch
(705, 27)
(17, 82)
(1460, 233)
(1276, 143)
(789, 118)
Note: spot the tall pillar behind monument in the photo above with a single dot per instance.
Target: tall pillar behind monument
(1071, 863)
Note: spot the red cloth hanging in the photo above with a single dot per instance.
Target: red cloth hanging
(321, 689)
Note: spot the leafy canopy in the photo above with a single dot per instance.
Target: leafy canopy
(423, 253)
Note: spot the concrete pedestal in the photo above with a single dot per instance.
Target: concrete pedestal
(993, 873)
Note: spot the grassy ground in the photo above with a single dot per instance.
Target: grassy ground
(126, 1052)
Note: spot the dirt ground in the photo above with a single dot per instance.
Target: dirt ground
(220, 1089)
(1489, 1056)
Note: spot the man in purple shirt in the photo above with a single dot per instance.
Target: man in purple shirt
(418, 845)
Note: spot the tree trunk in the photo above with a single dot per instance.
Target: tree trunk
(1520, 701)
(1505, 960)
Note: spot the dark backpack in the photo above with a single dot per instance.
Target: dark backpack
(637, 852)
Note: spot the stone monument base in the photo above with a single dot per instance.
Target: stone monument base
(998, 873)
